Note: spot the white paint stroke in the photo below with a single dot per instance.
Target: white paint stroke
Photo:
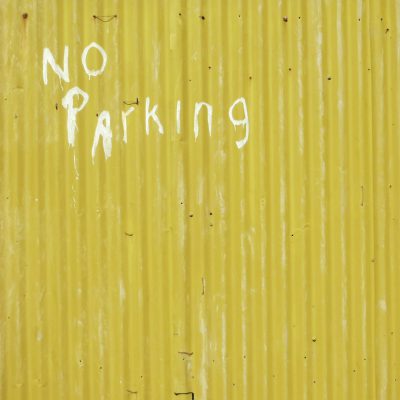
(48, 58)
(240, 122)
(103, 129)
(94, 72)
(197, 109)
(68, 104)
(152, 114)
(124, 115)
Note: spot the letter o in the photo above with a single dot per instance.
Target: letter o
(94, 72)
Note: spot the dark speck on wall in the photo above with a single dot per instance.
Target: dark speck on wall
(25, 15)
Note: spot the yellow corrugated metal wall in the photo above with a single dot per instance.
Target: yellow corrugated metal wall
(176, 265)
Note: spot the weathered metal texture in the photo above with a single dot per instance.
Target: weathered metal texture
(180, 265)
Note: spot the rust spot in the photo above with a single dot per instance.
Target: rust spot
(362, 196)
(104, 18)
(132, 102)
(188, 353)
(182, 393)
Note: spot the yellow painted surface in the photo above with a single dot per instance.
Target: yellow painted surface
(180, 265)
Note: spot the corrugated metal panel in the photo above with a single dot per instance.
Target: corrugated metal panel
(180, 265)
